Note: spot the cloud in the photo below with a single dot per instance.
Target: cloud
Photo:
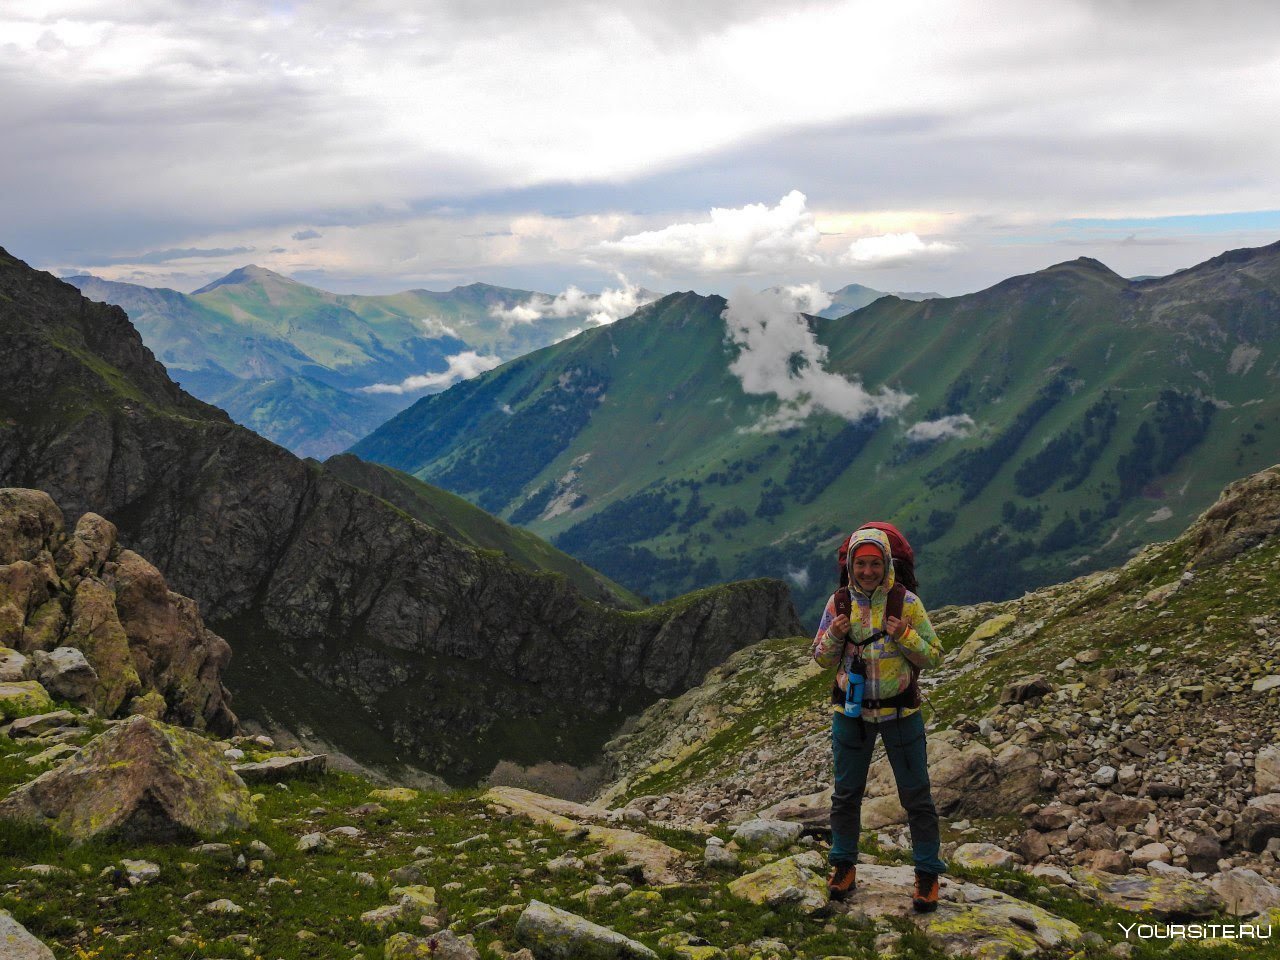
(462, 366)
(779, 355)
(890, 249)
(307, 235)
(182, 253)
(436, 327)
(600, 309)
(745, 239)
(927, 431)
(807, 297)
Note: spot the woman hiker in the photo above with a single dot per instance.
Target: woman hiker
(883, 642)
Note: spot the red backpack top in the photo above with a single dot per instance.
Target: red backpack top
(904, 558)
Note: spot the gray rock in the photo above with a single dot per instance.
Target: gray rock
(13, 666)
(767, 834)
(1026, 688)
(1203, 854)
(1267, 683)
(1259, 822)
(1266, 771)
(224, 906)
(141, 781)
(1151, 852)
(140, 871)
(984, 855)
(66, 674)
(444, 945)
(566, 864)
(719, 857)
(1125, 811)
(792, 881)
(40, 723)
(278, 769)
(1163, 897)
(554, 934)
(1246, 891)
(17, 944)
(971, 920)
(314, 843)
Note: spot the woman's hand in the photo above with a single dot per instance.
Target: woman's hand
(895, 627)
(839, 626)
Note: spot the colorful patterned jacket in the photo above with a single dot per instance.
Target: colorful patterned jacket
(887, 669)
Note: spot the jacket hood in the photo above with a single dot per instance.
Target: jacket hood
(881, 540)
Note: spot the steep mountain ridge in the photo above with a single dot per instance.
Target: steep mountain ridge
(292, 361)
(345, 613)
(1059, 420)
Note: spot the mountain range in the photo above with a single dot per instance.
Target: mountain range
(294, 363)
(397, 623)
(1043, 427)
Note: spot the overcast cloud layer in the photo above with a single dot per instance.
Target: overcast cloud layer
(919, 145)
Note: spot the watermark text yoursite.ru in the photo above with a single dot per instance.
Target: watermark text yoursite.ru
(1196, 931)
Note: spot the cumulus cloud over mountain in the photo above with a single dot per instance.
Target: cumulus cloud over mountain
(605, 307)
(779, 355)
(462, 366)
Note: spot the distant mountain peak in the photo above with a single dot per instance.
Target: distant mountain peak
(251, 273)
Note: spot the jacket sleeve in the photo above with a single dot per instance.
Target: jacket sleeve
(826, 649)
(919, 644)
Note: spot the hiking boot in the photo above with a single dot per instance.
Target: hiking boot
(925, 897)
(842, 881)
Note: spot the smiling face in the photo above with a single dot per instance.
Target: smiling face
(868, 571)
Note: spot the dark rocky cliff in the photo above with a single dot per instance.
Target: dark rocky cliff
(385, 635)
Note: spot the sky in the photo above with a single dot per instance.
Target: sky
(920, 145)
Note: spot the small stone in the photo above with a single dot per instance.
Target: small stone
(140, 871)
(224, 906)
(314, 843)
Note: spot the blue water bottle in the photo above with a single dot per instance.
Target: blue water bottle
(853, 692)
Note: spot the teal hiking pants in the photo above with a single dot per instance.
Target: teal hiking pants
(852, 742)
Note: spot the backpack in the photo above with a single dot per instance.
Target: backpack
(904, 579)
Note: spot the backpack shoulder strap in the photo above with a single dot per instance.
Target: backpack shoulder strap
(895, 601)
(893, 608)
(844, 602)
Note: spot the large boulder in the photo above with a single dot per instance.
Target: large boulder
(141, 781)
(555, 934)
(1169, 898)
(279, 769)
(1246, 891)
(1259, 822)
(792, 881)
(971, 920)
(22, 698)
(16, 943)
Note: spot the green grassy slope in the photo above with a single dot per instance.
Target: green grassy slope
(1106, 414)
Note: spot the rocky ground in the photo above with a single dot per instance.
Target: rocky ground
(1104, 753)
(1128, 721)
